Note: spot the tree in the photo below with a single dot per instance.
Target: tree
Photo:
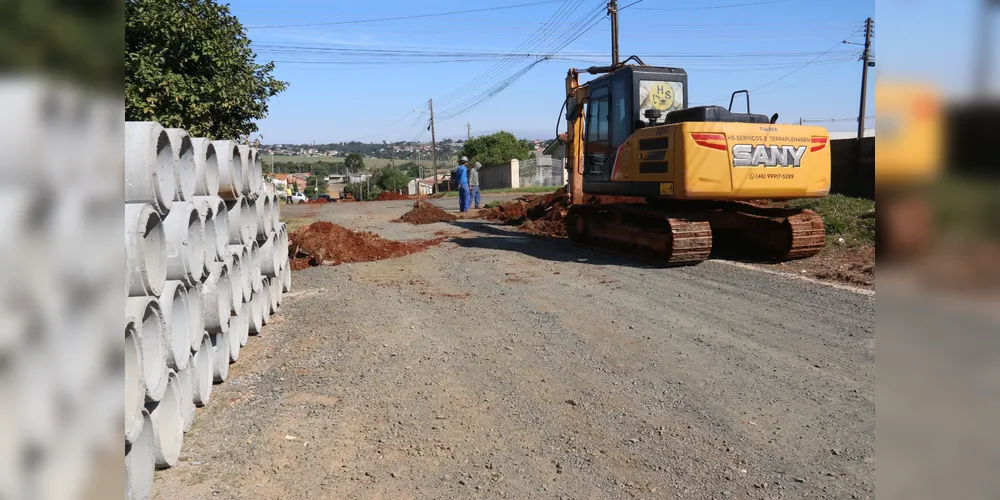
(354, 163)
(369, 189)
(495, 149)
(391, 179)
(188, 64)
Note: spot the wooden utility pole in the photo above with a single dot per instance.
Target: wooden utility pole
(434, 158)
(866, 60)
(613, 12)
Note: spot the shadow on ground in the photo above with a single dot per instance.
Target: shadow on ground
(542, 247)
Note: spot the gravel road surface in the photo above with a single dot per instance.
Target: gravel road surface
(499, 365)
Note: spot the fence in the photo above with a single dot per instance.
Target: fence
(541, 172)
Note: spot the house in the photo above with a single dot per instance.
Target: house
(556, 149)
(426, 186)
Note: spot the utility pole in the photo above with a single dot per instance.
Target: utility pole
(866, 59)
(468, 131)
(982, 66)
(434, 158)
(613, 12)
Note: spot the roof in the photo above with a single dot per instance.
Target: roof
(558, 141)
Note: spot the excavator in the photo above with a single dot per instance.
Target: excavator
(704, 176)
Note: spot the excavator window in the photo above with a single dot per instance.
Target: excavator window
(598, 132)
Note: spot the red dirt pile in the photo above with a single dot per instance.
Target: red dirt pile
(545, 214)
(317, 200)
(426, 213)
(391, 195)
(325, 242)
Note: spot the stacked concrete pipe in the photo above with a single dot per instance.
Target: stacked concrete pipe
(206, 265)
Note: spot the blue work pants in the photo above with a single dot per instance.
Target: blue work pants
(463, 198)
(474, 196)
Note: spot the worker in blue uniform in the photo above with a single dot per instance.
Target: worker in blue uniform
(462, 179)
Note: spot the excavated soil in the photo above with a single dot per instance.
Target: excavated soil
(328, 243)
(546, 214)
(390, 195)
(426, 213)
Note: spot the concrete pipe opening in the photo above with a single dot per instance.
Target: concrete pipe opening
(135, 391)
(145, 250)
(140, 462)
(270, 257)
(185, 380)
(251, 221)
(185, 172)
(235, 217)
(168, 424)
(246, 165)
(286, 282)
(174, 306)
(246, 284)
(264, 228)
(221, 227)
(248, 314)
(184, 239)
(146, 316)
(237, 325)
(209, 241)
(275, 211)
(149, 166)
(275, 294)
(258, 172)
(197, 317)
(255, 256)
(203, 366)
(220, 352)
(216, 299)
(256, 323)
(206, 167)
(237, 272)
(230, 169)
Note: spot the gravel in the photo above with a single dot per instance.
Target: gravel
(512, 366)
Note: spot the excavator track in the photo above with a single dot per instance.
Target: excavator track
(687, 233)
(641, 231)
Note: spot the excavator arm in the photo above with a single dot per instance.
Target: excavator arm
(576, 97)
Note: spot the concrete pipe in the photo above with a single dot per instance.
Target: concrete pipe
(168, 424)
(140, 462)
(242, 225)
(209, 242)
(255, 266)
(206, 167)
(264, 225)
(257, 168)
(237, 327)
(216, 299)
(203, 366)
(220, 352)
(248, 314)
(185, 380)
(270, 257)
(196, 317)
(254, 220)
(246, 165)
(238, 278)
(286, 282)
(147, 318)
(220, 212)
(135, 390)
(257, 309)
(174, 306)
(274, 294)
(185, 174)
(184, 242)
(276, 210)
(149, 166)
(145, 250)
(265, 300)
(230, 162)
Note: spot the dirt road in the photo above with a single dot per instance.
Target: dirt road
(504, 366)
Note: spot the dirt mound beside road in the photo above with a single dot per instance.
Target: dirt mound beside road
(328, 243)
(426, 213)
(391, 195)
(545, 214)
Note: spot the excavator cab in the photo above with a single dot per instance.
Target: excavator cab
(631, 133)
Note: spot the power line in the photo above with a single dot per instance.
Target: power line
(399, 18)
(786, 75)
(713, 7)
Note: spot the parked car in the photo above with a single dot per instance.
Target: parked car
(323, 196)
(299, 197)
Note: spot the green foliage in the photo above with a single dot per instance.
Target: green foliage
(495, 149)
(354, 163)
(189, 64)
(412, 170)
(391, 179)
(283, 167)
(370, 190)
(850, 218)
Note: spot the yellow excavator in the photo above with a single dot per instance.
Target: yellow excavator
(706, 173)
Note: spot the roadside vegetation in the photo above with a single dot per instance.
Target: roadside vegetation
(850, 218)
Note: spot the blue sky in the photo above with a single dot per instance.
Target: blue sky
(362, 80)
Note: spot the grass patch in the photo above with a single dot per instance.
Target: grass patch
(529, 189)
(850, 218)
(296, 223)
(494, 204)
